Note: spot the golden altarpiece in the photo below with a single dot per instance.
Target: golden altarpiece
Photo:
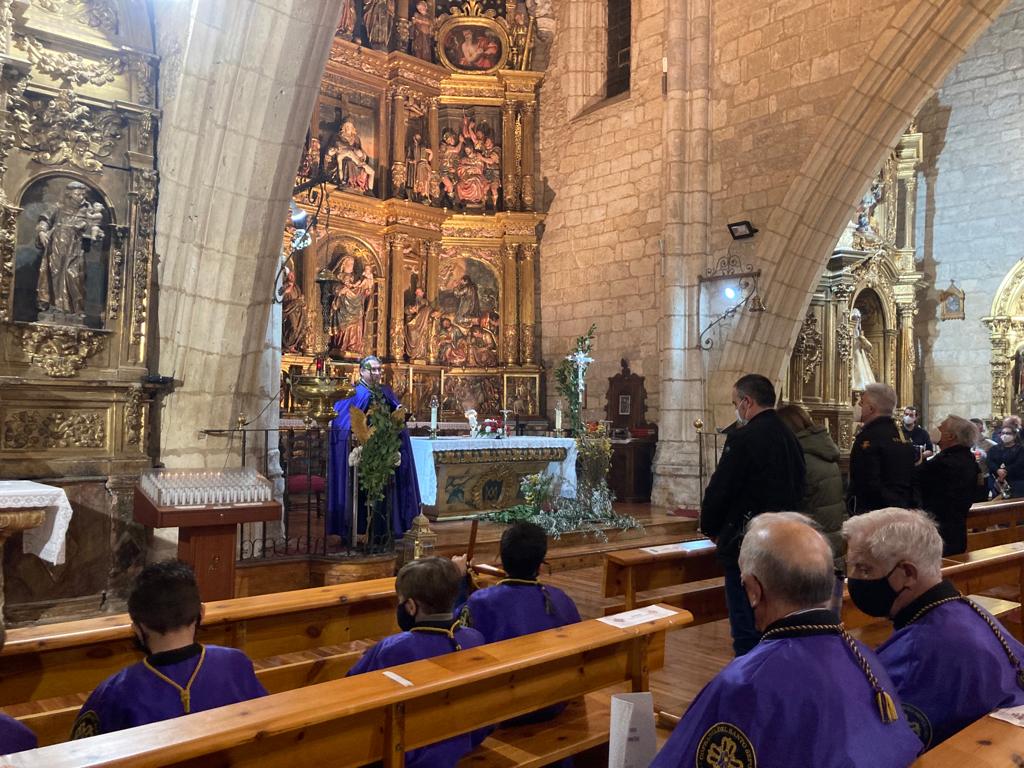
(418, 242)
(78, 125)
(1005, 323)
(859, 326)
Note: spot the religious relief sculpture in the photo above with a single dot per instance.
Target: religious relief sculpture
(348, 304)
(422, 22)
(417, 162)
(346, 162)
(379, 17)
(63, 236)
(520, 37)
(295, 321)
(863, 374)
(470, 165)
(419, 320)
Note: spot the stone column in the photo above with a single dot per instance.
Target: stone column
(395, 248)
(510, 317)
(399, 123)
(686, 216)
(216, 284)
(527, 308)
(905, 353)
(528, 139)
(508, 156)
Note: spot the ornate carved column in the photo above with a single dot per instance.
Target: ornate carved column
(906, 354)
(402, 26)
(999, 328)
(527, 310)
(511, 150)
(434, 132)
(433, 261)
(399, 123)
(395, 247)
(529, 113)
(510, 303)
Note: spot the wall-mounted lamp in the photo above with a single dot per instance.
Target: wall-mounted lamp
(746, 286)
(741, 230)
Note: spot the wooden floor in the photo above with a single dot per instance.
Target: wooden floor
(692, 656)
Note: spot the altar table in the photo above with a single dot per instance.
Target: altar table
(47, 513)
(461, 476)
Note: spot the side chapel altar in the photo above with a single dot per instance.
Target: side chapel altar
(468, 476)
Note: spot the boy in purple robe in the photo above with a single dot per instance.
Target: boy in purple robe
(178, 676)
(519, 604)
(426, 593)
(950, 659)
(808, 694)
(14, 737)
(403, 495)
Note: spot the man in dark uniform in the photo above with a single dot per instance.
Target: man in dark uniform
(951, 661)
(809, 695)
(949, 483)
(761, 470)
(882, 459)
(916, 434)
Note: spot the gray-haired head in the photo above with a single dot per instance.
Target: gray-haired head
(882, 397)
(962, 430)
(367, 362)
(788, 555)
(882, 539)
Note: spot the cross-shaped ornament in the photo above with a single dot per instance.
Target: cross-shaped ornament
(582, 360)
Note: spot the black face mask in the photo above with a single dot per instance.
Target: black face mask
(141, 645)
(874, 596)
(405, 620)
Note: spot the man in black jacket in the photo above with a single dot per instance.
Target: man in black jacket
(949, 483)
(761, 470)
(915, 433)
(882, 459)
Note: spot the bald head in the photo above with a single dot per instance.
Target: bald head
(791, 563)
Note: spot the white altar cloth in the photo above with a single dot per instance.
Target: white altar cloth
(46, 541)
(423, 450)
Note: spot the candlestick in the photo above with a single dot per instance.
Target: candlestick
(433, 416)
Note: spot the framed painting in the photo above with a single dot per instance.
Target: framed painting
(472, 44)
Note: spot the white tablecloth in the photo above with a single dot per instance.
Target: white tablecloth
(423, 449)
(46, 541)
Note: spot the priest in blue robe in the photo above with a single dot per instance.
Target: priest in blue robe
(178, 676)
(426, 589)
(403, 495)
(808, 694)
(950, 659)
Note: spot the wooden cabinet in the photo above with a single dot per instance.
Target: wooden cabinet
(632, 470)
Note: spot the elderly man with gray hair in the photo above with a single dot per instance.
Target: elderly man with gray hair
(952, 481)
(881, 459)
(808, 694)
(951, 661)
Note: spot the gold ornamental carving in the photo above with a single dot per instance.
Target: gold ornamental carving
(61, 351)
(844, 340)
(144, 191)
(808, 346)
(40, 430)
(8, 245)
(12, 522)
(116, 273)
(98, 14)
(70, 68)
(62, 130)
(133, 417)
(528, 343)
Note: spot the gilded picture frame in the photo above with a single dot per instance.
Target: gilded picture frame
(473, 44)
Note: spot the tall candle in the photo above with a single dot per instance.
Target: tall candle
(433, 417)
(558, 416)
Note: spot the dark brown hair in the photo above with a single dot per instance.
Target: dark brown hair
(795, 417)
(433, 582)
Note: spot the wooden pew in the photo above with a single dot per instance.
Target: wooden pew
(296, 638)
(372, 717)
(1006, 513)
(986, 743)
(629, 572)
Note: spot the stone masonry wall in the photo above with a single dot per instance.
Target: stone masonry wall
(601, 164)
(969, 224)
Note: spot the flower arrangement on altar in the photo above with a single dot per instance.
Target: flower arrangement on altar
(378, 454)
(486, 428)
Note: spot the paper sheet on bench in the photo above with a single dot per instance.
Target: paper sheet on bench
(638, 616)
(679, 546)
(1011, 715)
(632, 742)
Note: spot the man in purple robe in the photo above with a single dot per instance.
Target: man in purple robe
(14, 737)
(403, 495)
(519, 604)
(950, 659)
(426, 594)
(808, 694)
(178, 676)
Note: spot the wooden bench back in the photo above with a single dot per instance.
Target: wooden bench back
(986, 742)
(73, 657)
(1008, 513)
(372, 717)
(630, 571)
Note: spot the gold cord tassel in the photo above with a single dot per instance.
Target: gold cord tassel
(186, 700)
(886, 707)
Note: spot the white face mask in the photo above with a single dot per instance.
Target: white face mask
(739, 419)
(1007, 439)
(908, 421)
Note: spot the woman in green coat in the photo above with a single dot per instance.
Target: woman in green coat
(823, 499)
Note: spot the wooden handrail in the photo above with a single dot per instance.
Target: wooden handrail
(341, 720)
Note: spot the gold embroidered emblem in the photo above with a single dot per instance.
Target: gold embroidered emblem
(724, 745)
(919, 724)
(87, 724)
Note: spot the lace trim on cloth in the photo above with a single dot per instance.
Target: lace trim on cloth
(47, 541)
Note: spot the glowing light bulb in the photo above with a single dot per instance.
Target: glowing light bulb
(730, 293)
